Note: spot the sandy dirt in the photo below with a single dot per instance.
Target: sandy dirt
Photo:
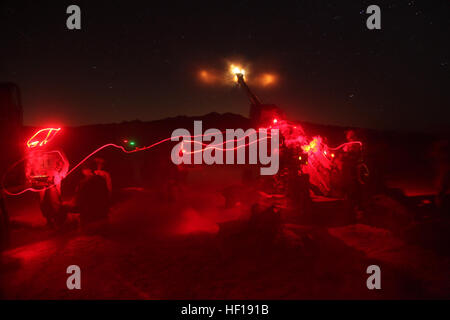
(155, 249)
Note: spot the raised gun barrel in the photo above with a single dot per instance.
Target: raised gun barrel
(254, 100)
(260, 113)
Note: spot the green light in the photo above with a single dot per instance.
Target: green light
(132, 143)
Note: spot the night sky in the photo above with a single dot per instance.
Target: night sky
(140, 60)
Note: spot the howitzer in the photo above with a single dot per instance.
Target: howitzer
(260, 114)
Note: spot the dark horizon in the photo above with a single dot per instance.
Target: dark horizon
(436, 133)
(145, 66)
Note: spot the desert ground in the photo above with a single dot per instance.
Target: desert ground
(154, 248)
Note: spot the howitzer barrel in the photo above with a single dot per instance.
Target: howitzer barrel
(254, 100)
(259, 113)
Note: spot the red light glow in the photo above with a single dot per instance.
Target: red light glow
(42, 137)
(318, 165)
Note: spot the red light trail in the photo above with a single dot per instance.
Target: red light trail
(48, 134)
(122, 148)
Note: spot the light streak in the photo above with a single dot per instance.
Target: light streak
(346, 144)
(122, 148)
(313, 146)
(34, 142)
